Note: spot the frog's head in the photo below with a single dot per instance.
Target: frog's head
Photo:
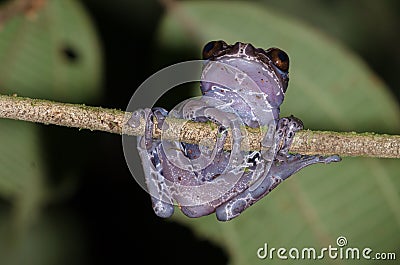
(268, 68)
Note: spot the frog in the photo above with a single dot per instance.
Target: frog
(240, 85)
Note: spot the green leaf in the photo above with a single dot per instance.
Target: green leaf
(53, 55)
(56, 238)
(21, 162)
(330, 88)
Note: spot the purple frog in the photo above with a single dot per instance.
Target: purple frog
(241, 85)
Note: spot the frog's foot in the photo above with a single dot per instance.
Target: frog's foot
(286, 129)
(284, 169)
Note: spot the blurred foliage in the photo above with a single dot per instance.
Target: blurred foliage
(51, 53)
(368, 27)
(47, 216)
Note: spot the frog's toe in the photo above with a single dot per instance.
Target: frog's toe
(160, 115)
(231, 209)
(286, 129)
(333, 158)
(162, 209)
(197, 211)
(312, 159)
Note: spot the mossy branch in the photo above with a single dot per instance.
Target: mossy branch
(114, 121)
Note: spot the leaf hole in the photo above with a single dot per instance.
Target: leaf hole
(70, 54)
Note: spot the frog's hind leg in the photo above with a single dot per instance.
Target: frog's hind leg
(149, 153)
(284, 166)
(207, 174)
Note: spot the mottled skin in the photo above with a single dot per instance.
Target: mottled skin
(267, 71)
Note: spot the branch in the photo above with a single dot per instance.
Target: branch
(114, 121)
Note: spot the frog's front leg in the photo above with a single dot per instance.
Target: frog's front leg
(284, 166)
(150, 152)
(286, 129)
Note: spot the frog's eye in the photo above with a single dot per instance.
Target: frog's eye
(213, 48)
(279, 58)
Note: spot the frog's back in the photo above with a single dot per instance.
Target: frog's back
(246, 78)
